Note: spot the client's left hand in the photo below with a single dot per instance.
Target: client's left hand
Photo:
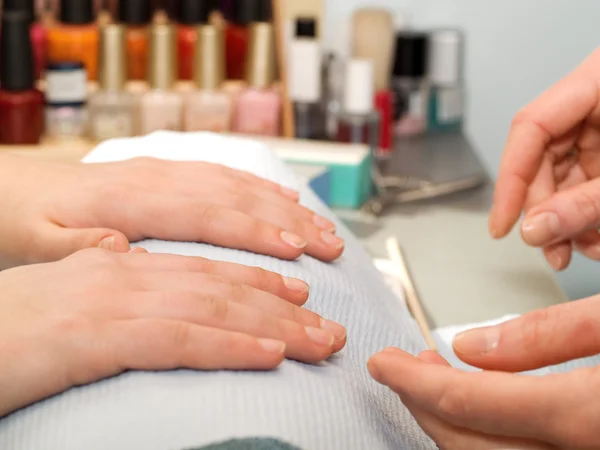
(503, 410)
(49, 211)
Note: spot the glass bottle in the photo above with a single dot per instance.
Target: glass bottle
(75, 38)
(209, 108)
(161, 108)
(21, 104)
(258, 109)
(113, 110)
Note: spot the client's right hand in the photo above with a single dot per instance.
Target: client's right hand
(96, 314)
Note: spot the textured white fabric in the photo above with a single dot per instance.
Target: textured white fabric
(335, 405)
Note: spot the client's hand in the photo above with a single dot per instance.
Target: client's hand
(96, 314)
(551, 170)
(49, 211)
(496, 408)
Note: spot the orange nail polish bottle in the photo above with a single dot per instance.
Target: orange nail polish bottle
(75, 38)
(136, 15)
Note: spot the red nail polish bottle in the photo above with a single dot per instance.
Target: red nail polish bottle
(190, 14)
(237, 37)
(37, 30)
(21, 105)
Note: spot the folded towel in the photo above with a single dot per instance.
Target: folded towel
(334, 405)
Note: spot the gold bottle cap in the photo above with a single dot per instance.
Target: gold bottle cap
(260, 63)
(162, 64)
(113, 57)
(209, 62)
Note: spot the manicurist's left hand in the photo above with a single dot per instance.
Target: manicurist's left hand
(49, 211)
(497, 408)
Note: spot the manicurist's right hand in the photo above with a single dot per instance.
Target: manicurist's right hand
(96, 314)
(551, 170)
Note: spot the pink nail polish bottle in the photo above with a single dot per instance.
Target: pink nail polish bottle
(258, 109)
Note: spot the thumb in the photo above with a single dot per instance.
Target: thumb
(539, 339)
(62, 242)
(565, 216)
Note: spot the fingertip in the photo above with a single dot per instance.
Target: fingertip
(116, 242)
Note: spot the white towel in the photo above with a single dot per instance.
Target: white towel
(335, 405)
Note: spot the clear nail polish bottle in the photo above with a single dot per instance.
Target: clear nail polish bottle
(359, 121)
(209, 107)
(445, 73)
(113, 110)
(305, 80)
(161, 108)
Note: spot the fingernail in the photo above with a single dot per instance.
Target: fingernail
(291, 193)
(541, 229)
(332, 240)
(555, 260)
(296, 285)
(107, 243)
(293, 239)
(338, 331)
(272, 346)
(477, 342)
(320, 337)
(324, 224)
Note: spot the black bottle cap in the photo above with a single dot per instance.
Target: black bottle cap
(16, 52)
(306, 27)
(412, 49)
(135, 12)
(194, 12)
(77, 12)
(246, 12)
(26, 6)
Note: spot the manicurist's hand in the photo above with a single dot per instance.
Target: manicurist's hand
(551, 168)
(96, 314)
(498, 409)
(51, 210)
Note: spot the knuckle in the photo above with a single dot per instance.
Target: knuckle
(454, 402)
(197, 264)
(209, 214)
(179, 339)
(588, 206)
(262, 279)
(537, 328)
(217, 309)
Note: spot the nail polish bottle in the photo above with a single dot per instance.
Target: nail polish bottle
(66, 99)
(209, 107)
(190, 14)
(136, 15)
(75, 38)
(305, 80)
(113, 111)
(258, 109)
(161, 108)
(359, 122)
(445, 74)
(237, 39)
(410, 84)
(21, 105)
(37, 30)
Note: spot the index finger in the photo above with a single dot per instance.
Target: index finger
(553, 114)
(552, 409)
